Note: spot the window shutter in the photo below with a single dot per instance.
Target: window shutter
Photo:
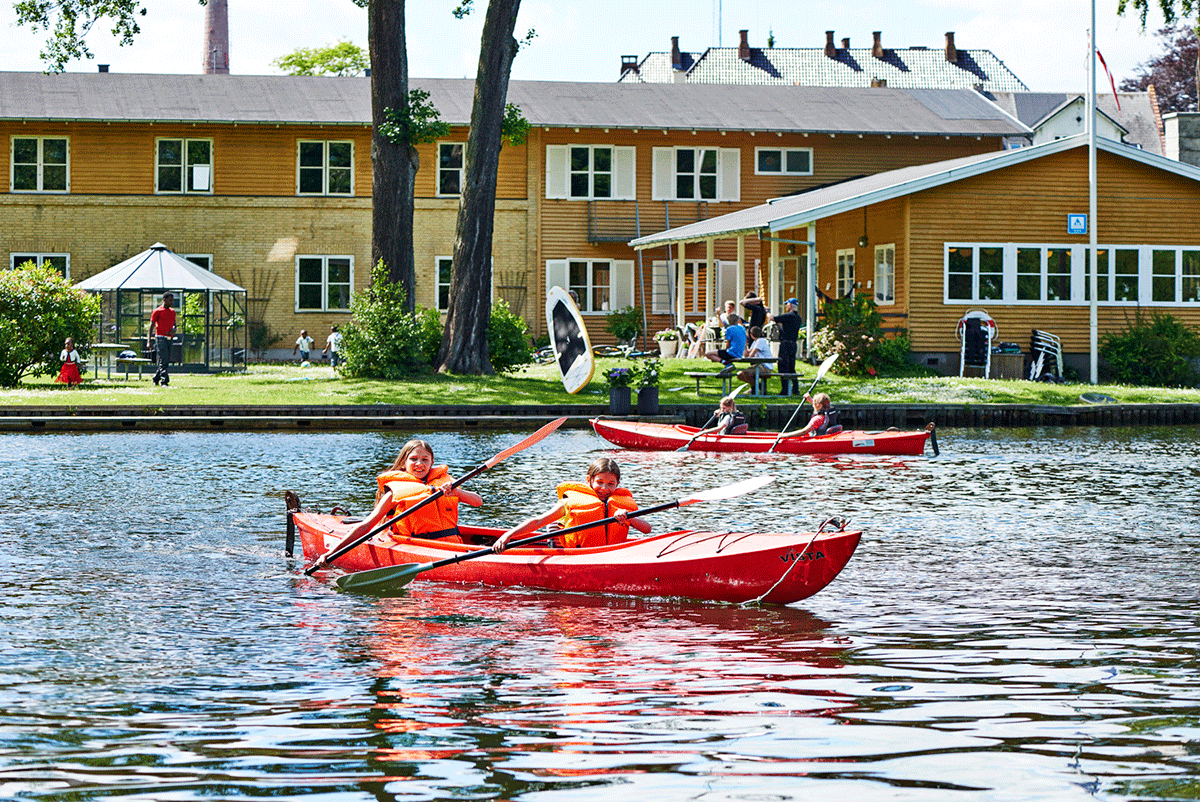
(730, 172)
(556, 172)
(557, 274)
(624, 185)
(662, 288)
(663, 183)
(621, 295)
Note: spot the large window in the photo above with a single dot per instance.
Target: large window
(697, 174)
(59, 261)
(183, 165)
(885, 274)
(601, 285)
(590, 172)
(1060, 274)
(783, 161)
(324, 283)
(450, 168)
(845, 273)
(39, 164)
(325, 168)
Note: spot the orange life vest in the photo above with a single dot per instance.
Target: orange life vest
(438, 519)
(584, 506)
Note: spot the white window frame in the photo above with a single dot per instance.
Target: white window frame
(665, 173)
(590, 172)
(438, 284)
(207, 257)
(783, 152)
(324, 284)
(462, 161)
(885, 275)
(41, 165)
(17, 258)
(622, 184)
(189, 173)
(326, 168)
(845, 273)
(620, 286)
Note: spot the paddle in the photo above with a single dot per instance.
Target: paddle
(711, 418)
(537, 436)
(395, 577)
(821, 371)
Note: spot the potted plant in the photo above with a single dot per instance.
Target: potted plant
(624, 324)
(647, 378)
(620, 381)
(668, 342)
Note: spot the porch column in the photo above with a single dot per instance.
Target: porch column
(710, 292)
(680, 305)
(810, 314)
(772, 288)
(741, 267)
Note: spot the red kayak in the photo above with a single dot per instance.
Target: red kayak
(711, 566)
(666, 437)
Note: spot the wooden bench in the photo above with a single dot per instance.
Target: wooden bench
(130, 361)
(783, 383)
(699, 376)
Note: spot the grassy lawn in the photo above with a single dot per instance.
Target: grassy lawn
(289, 385)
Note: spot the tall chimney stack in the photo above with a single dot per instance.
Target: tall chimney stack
(951, 50)
(216, 38)
(830, 48)
(877, 48)
(744, 46)
(676, 56)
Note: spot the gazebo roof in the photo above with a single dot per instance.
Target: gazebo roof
(158, 268)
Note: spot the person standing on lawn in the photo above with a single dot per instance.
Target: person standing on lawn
(790, 324)
(159, 335)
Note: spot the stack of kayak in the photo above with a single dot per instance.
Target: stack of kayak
(666, 437)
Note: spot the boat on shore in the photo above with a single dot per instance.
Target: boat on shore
(668, 437)
(775, 568)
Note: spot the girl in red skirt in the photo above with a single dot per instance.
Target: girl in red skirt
(70, 370)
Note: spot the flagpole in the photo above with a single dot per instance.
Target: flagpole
(1093, 223)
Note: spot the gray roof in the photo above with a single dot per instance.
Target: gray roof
(1137, 114)
(346, 101)
(904, 68)
(158, 268)
(807, 207)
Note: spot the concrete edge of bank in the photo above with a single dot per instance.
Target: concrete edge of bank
(384, 417)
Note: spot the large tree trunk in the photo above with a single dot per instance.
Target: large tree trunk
(464, 341)
(394, 165)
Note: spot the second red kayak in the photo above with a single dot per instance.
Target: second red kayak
(666, 437)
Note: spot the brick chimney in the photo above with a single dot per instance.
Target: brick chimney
(676, 56)
(744, 46)
(951, 50)
(830, 49)
(877, 48)
(845, 43)
(216, 38)
(629, 64)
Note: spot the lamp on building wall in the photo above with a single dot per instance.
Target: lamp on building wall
(862, 241)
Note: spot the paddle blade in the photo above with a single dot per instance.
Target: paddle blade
(380, 581)
(826, 365)
(540, 434)
(728, 491)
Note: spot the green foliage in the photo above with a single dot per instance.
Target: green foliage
(619, 377)
(70, 21)
(260, 337)
(624, 324)
(415, 124)
(648, 374)
(383, 340)
(514, 128)
(508, 339)
(852, 328)
(38, 311)
(192, 321)
(1156, 352)
(1187, 8)
(343, 59)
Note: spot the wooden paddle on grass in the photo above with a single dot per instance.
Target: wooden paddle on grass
(702, 430)
(821, 371)
(394, 577)
(537, 436)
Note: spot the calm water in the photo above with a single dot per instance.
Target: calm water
(1021, 622)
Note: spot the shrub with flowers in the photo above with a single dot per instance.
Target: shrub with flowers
(853, 330)
(647, 375)
(666, 334)
(619, 377)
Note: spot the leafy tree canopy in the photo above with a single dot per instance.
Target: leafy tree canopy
(344, 59)
(69, 22)
(39, 309)
(1172, 73)
(1186, 8)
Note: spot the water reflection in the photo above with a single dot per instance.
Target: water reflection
(1019, 622)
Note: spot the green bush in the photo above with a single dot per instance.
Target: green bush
(383, 340)
(852, 328)
(624, 324)
(38, 311)
(508, 339)
(1157, 352)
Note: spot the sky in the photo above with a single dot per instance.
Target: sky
(1044, 43)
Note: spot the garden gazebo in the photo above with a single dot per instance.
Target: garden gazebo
(211, 323)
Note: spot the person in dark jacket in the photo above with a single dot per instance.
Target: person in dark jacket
(789, 324)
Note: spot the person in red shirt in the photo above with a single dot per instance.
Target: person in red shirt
(158, 337)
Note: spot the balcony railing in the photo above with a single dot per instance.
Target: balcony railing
(623, 221)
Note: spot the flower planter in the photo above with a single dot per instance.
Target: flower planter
(619, 400)
(667, 348)
(647, 401)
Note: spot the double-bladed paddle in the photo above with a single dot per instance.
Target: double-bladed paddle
(702, 430)
(537, 436)
(821, 371)
(394, 577)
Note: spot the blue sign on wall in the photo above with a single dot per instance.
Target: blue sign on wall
(1077, 224)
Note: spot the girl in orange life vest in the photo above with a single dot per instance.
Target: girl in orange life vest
(602, 497)
(411, 479)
